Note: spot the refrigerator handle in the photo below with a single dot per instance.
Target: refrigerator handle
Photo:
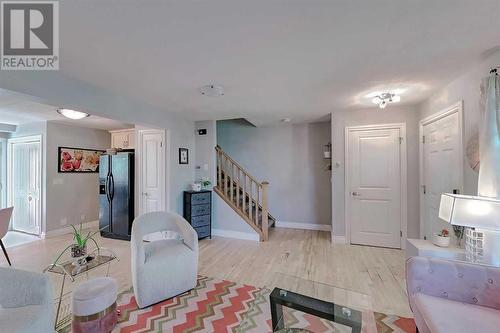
(112, 186)
(106, 185)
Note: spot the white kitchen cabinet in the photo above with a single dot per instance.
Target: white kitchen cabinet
(123, 139)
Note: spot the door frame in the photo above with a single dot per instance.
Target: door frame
(403, 177)
(3, 173)
(25, 139)
(164, 172)
(454, 108)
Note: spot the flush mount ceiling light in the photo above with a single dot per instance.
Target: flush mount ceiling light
(72, 114)
(212, 90)
(285, 120)
(385, 98)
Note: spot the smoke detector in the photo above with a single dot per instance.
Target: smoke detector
(212, 90)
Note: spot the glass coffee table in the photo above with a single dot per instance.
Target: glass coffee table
(299, 305)
(100, 258)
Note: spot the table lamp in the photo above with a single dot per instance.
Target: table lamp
(481, 217)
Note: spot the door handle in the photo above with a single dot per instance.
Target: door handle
(146, 194)
(112, 186)
(356, 194)
(107, 188)
(30, 197)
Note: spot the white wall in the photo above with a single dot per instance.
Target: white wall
(205, 150)
(56, 89)
(392, 114)
(466, 88)
(290, 158)
(72, 198)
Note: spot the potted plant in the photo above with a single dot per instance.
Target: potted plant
(79, 247)
(205, 183)
(442, 239)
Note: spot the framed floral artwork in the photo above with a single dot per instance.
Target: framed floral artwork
(78, 160)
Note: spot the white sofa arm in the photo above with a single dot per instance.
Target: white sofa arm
(21, 288)
(454, 280)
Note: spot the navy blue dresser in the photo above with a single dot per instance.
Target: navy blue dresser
(198, 211)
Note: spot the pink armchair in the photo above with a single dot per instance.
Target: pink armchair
(452, 296)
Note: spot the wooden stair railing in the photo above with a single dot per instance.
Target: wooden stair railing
(244, 194)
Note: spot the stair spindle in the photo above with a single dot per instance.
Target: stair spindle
(265, 212)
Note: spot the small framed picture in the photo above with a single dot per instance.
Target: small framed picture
(183, 156)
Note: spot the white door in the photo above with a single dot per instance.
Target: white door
(374, 198)
(441, 172)
(151, 171)
(25, 174)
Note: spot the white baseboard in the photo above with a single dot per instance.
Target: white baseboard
(67, 229)
(235, 234)
(305, 226)
(339, 239)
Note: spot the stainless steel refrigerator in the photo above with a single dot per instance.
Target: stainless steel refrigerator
(116, 195)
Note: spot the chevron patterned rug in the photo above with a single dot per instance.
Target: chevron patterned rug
(217, 306)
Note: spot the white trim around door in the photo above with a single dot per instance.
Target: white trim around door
(455, 108)
(40, 218)
(403, 178)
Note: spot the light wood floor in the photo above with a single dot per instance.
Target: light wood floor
(288, 257)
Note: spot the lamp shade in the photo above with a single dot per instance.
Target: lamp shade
(470, 211)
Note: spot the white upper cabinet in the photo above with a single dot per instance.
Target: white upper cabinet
(123, 139)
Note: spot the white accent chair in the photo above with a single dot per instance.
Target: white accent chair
(163, 268)
(26, 302)
(5, 215)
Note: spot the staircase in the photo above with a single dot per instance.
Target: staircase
(244, 194)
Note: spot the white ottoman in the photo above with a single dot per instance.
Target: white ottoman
(94, 306)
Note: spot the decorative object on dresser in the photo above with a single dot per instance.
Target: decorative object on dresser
(183, 156)
(198, 211)
(442, 239)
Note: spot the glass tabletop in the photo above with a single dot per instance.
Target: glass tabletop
(302, 305)
(95, 259)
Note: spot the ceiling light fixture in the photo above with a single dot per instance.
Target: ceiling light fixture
(385, 98)
(72, 114)
(285, 120)
(212, 90)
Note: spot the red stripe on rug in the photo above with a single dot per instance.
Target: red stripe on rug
(142, 319)
(203, 307)
(237, 304)
(406, 324)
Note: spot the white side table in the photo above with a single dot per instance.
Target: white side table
(425, 248)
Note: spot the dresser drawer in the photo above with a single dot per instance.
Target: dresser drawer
(200, 198)
(199, 221)
(203, 231)
(200, 210)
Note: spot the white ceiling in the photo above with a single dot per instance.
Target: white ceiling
(17, 109)
(295, 59)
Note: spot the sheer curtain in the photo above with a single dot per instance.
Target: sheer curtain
(489, 172)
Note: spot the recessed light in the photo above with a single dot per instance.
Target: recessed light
(72, 114)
